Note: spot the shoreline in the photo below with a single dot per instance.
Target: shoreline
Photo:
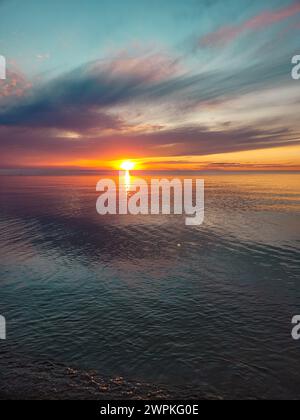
(25, 379)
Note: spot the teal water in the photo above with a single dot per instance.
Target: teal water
(148, 298)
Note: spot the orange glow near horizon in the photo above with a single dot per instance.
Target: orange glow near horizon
(281, 158)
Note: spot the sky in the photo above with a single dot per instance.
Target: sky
(170, 84)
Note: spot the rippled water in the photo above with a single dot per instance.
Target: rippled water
(148, 298)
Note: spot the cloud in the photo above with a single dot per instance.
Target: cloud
(86, 114)
(16, 84)
(87, 97)
(229, 33)
(43, 57)
(83, 98)
(37, 148)
(198, 141)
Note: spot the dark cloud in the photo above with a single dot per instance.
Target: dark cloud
(73, 101)
(197, 141)
(38, 146)
(84, 98)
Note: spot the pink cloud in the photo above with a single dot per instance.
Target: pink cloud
(153, 68)
(231, 32)
(16, 84)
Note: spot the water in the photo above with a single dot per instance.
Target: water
(207, 308)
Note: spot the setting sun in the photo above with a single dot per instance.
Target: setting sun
(128, 165)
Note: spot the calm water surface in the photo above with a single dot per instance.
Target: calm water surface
(148, 298)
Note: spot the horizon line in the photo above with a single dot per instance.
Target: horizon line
(75, 171)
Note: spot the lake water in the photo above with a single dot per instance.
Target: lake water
(148, 298)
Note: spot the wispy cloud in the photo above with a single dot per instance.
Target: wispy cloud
(259, 22)
(87, 97)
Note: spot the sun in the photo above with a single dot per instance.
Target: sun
(127, 165)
